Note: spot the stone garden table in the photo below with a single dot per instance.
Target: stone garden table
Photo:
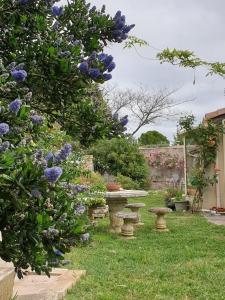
(117, 201)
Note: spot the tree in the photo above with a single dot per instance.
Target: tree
(187, 58)
(61, 50)
(120, 156)
(143, 106)
(153, 138)
(55, 54)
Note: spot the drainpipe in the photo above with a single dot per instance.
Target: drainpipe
(218, 199)
(185, 165)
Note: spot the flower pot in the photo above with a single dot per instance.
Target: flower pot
(169, 203)
(182, 205)
(7, 276)
(112, 187)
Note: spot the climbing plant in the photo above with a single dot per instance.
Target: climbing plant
(206, 136)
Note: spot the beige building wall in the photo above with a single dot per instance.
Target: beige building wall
(214, 196)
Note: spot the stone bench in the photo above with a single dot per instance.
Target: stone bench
(134, 207)
(127, 229)
(160, 223)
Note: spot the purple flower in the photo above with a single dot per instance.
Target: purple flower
(23, 1)
(85, 237)
(56, 25)
(64, 53)
(111, 67)
(102, 56)
(19, 75)
(37, 120)
(4, 146)
(38, 155)
(36, 193)
(108, 60)
(15, 105)
(80, 209)
(57, 11)
(115, 116)
(94, 73)
(49, 156)
(107, 76)
(58, 252)
(64, 153)
(76, 42)
(4, 129)
(124, 120)
(120, 29)
(93, 9)
(83, 67)
(52, 174)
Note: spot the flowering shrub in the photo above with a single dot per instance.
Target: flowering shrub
(59, 55)
(38, 205)
(121, 156)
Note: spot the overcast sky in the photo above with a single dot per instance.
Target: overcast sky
(198, 25)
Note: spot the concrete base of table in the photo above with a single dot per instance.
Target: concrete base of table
(115, 206)
(160, 223)
(40, 287)
(117, 202)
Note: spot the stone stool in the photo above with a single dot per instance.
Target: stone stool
(135, 209)
(127, 229)
(160, 223)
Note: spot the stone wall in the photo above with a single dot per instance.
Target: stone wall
(169, 175)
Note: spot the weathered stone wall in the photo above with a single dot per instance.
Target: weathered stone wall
(163, 177)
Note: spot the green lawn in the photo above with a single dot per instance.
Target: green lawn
(186, 263)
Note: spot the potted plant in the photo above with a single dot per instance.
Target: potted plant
(180, 201)
(169, 196)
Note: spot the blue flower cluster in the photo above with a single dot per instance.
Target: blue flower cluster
(15, 105)
(64, 153)
(98, 66)
(37, 120)
(78, 188)
(80, 209)
(64, 54)
(52, 174)
(57, 11)
(121, 30)
(36, 193)
(4, 146)
(4, 129)
(124, 120)
(19, 75)
(23, 1)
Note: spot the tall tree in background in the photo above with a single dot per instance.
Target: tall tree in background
(143, 107)
(153, 138)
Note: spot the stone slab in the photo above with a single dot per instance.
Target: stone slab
(125, 194)
(40, 287)
(217, 219)
(6, 282)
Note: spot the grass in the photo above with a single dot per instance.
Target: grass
(186, 263)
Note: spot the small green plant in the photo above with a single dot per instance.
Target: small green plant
(127, 183)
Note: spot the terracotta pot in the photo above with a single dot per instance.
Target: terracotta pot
(112, 187)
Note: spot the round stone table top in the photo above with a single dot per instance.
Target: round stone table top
(127, 215)
(160, 210)
(135, 205)
(125, 194)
